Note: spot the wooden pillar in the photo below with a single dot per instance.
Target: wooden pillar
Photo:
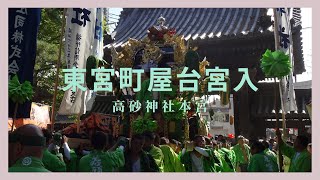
(258, 127)
(257, 123)
(244, 113)
(236, 114)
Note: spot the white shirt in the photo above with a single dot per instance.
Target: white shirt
(197, 163)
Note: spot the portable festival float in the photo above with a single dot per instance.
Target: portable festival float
(162, 48)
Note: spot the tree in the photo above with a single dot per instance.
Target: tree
(45, 72)
(47, 56)
(50, 27)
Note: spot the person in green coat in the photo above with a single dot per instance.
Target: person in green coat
(175, 145)
(171, 159)
(73, 159)
(298, 154)
(242, 152)
(268, 152)
(26, 146)
(286, 160)
(198, 158)
(261, 162)
(52, 162)
(136, 159)
(100, 161)
(73, 163)
(154, 151)
(228, 156)
(219, 161)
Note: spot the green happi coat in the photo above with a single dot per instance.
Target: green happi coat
(239, 154)
(229, 158)
(221, 164)
(52, 162)
(179, 155)
(300, 162)
(209, 164)
(100, 161)
(286, 163)
(158, 157)
(271, 154)
(73, 163)
(171, 160)
(28, 164)
(262, 163)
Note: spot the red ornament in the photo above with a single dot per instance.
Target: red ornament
(231, 136)
(160, 35)
(172, 32)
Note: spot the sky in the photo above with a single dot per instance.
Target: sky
(306, 15)
(115, 11)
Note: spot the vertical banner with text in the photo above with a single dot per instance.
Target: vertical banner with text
(286, 45)
(79, 32)
(23, 30)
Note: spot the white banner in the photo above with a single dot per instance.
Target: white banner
(79, 38)
(97, 50)
(287, 93)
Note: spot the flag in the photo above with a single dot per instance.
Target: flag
(79, 35)
(97, 50)
(23, 30)
(287, 93)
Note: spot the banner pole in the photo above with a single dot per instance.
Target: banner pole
(276, 41)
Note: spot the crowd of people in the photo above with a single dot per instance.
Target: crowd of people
(32, 149)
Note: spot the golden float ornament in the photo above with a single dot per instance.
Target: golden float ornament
(202, 67)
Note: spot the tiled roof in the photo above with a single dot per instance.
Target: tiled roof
(194, 23)
(207, 24)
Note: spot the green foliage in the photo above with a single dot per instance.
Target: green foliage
(45, 73)
(50, 26)
(275, 64)
(20, 93)
(46, 58)
(105, 26)
(177, 115)
(144, 124)
(168, 94)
